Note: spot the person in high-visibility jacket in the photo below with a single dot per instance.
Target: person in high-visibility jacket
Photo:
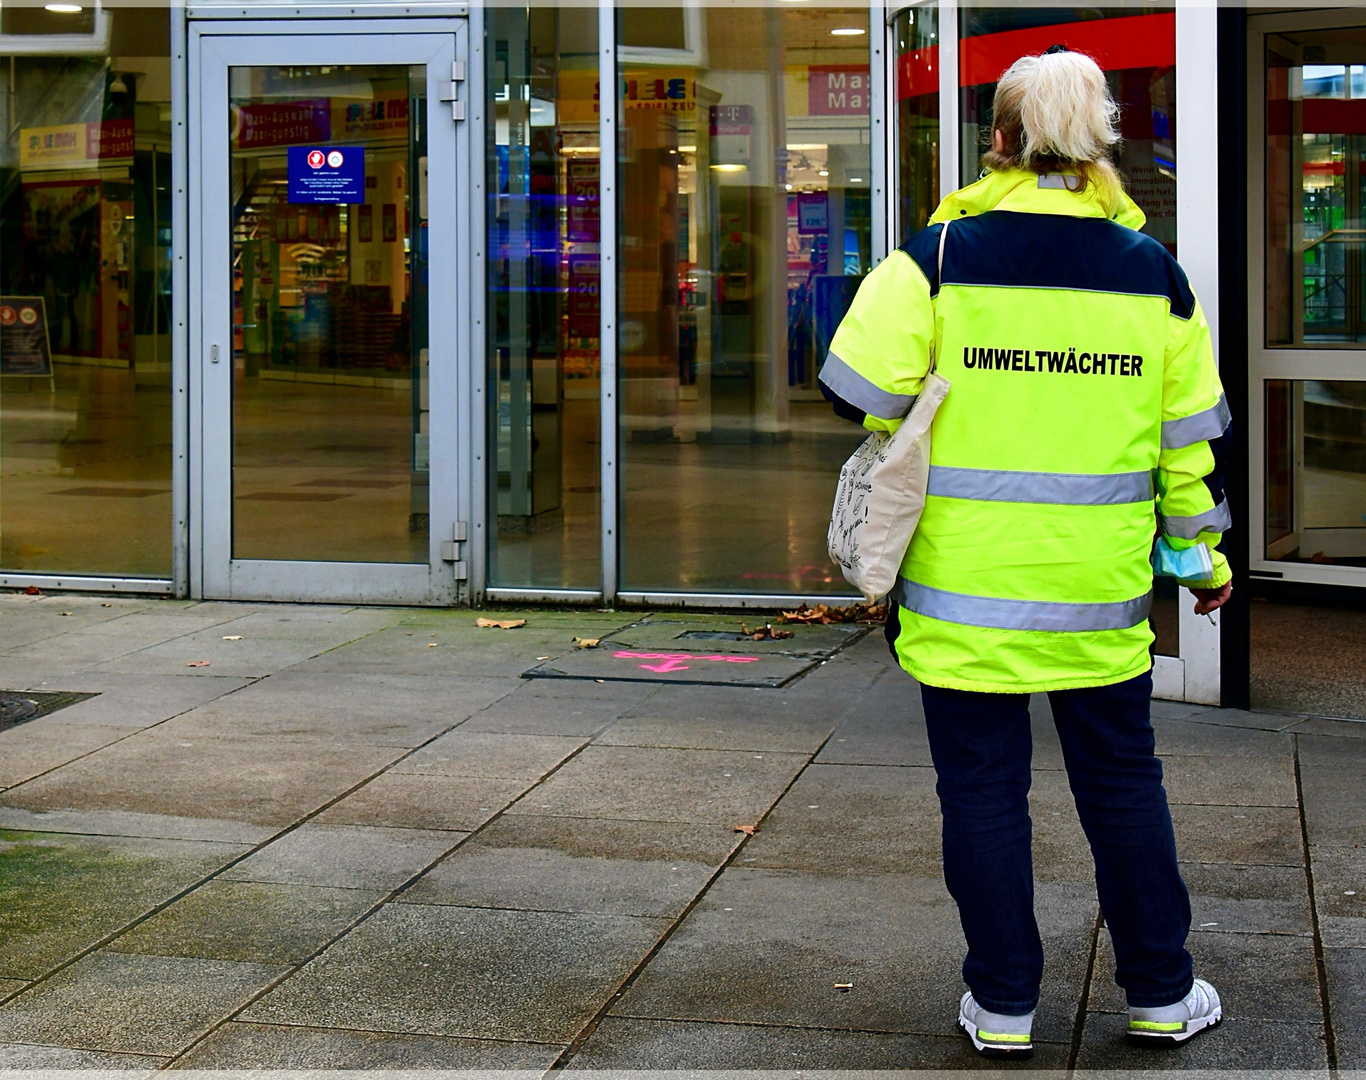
(1074, 454)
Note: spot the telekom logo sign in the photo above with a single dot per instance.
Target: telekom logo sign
(675, 661)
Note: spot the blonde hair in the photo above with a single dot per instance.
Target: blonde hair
(1055, 113)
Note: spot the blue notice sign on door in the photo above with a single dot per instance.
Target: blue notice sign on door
(326, 174)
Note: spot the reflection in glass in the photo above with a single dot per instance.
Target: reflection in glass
(1316, 471)
(544, 314)
(1136, 47)
(745, 231)
(85, 233)
(917, 116)
(329, 317)
(1315, 145)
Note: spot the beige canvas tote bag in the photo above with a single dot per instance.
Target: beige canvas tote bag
(881, 492)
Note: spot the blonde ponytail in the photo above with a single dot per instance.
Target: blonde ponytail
(1055, 113)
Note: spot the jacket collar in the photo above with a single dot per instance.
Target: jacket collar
(1026, 192)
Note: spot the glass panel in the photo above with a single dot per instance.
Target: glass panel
(745, 230)
(329, 260)
(85, 291)
(543, 343)
(1315, 147)
(1135, 46)
(917, 117)
(1316, 471)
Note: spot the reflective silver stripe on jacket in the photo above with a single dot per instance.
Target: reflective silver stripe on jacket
(999, 614)
(1198, 427)
(1063, 489)
(862, 393)
(1188, 528)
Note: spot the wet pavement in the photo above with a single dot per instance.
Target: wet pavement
(346, 838)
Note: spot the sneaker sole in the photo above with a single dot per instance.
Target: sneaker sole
(1158, 1038)
(995, 1050)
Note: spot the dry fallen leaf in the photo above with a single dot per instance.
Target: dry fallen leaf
(431, 644)
(844, 988)
(198, 663)
(66, 613)
(587, 642)
(542, 658)
(748, 830)
(499, 624)
(232, 637)
(825, 614)
(33, 590)
(106, 605)
(766, 634)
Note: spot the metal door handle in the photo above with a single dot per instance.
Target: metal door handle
(213, 353)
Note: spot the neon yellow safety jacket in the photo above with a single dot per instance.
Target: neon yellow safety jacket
(1085, 416)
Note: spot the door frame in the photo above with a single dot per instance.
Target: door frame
(1281, 362)
(212, 47)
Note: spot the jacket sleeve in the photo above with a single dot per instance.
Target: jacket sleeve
(881, 352)
(1192, 510)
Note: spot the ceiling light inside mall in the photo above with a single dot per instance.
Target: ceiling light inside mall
(824, 172)
(848, 31)
(730, 168)
(63, 9)
(855, 179)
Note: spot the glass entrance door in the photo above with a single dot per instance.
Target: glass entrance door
(1309, 366)
(329, 330)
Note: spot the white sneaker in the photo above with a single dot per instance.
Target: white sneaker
(1176, 1023)
(995, 1034)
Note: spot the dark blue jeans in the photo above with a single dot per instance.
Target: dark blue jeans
(981, 744)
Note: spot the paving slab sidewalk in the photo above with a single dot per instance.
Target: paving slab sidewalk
(359, 838)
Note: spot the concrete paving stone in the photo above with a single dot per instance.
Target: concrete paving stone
(1346, 969)
(1343, 932)
(1262, 977)
(562, 707)
(1181, 738)
(29, 618)
(1248, 899)
(1227, 718)
(380, 710)
(557, 619)
(624, 1043)
(471, 972)
(1230, 781)
(406, 801)
(1342, 729)
(798, 704)
(541, 879)
(769, 947)
(706, 667)
(263, 781)
(1253, 1047)
(11, 986)
(250, 922)
(60, 894)
(1246, 835)
(1327, 751)
(249, 658)
(125, 823)
(777, 732)
(239, 1045)
(601, 838)
(135, 701)
(131, 1004)
(489, 754)
(645, 784)
(28, 1059)
(344, 856)
(1334, 812)
(869, 736)
(1178, 710)
(858, 819)
(41, 745)
(299, 620)
(403, 650)
(1339, 879)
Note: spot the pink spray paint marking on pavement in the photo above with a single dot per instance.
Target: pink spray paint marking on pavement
(674, 661)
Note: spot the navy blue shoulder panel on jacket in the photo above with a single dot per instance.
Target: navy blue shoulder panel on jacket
(923, 247)
(1052, 251)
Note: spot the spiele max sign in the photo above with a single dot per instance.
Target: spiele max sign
(327, 174)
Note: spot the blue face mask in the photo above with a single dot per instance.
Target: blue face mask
(1184, 564)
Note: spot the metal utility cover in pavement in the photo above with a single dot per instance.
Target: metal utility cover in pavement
(20, 706)
(700, 650)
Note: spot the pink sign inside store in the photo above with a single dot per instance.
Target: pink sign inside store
(675, 661)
